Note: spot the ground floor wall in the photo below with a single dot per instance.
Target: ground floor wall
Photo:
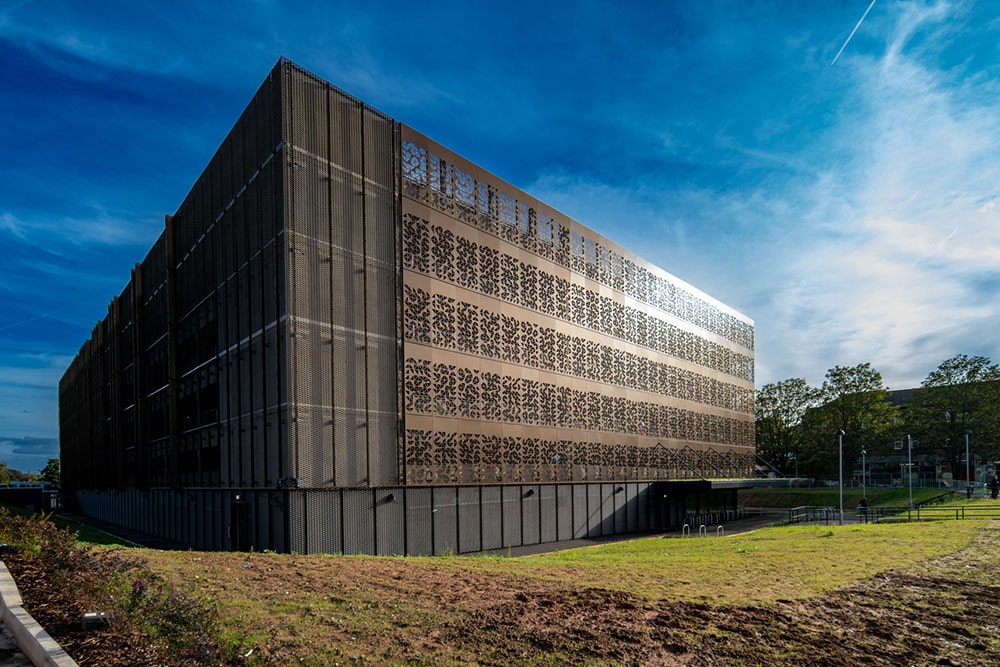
(405, 520)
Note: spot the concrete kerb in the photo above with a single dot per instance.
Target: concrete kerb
(36, 644)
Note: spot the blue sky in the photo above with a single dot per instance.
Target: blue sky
(849, 209)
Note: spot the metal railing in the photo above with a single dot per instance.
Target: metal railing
(924, 513)
(811, 514)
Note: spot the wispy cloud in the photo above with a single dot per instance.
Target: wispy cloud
(898, 269)
(101, 227)
(27, 453)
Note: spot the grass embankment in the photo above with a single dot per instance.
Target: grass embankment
(793, 562)
(60, 577)
(326, 609)
(83, 532)
(609, 604)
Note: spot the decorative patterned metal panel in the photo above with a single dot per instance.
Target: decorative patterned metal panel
(535, 350)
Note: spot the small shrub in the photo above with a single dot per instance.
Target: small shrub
(115, 581)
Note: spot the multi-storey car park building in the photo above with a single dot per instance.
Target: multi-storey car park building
(349, 339)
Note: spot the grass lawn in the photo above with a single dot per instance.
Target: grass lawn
(83, 533)
(758, 567)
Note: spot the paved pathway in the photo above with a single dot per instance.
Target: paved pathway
(10, 655)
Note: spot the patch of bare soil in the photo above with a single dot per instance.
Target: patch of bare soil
(396, 611)
(59, 611)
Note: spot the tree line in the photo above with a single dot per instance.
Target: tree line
(50, 474)
(797, 425)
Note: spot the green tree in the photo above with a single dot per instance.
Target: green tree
(853, 400)
(50, 473)
(779, 409)
(961, 395)
(4, 473)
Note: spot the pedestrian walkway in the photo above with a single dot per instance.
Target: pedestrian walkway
(10, 654)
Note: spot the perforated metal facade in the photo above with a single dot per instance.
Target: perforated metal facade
(537, 350)
(348, 339)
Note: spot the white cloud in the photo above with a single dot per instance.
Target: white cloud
(894, 285)
(873, 241)
(101, 227)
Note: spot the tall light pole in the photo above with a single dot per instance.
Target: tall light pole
(864, 486)
(840, 448)
(909, 464)
(968, 480)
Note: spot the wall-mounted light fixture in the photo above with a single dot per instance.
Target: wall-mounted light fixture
(528, 493)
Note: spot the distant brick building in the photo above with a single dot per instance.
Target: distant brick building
(349, 339)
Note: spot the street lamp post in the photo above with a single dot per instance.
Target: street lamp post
(909, 464)
(840, 448)
(864, 485)
(968, 480)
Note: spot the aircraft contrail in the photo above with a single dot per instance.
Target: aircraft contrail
(852, 33)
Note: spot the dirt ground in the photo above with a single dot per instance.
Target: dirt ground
(396, 611)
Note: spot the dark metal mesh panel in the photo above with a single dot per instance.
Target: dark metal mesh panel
(564, 509)
(390, 520)
(631, 508)
(382, 464)
(644, 507)
(530, 508)
(273, 443)
(359, 514)
(260, 513)
(595, 511)
(218, 533)
(296, 513)
(314, 464)
(619, 501)
(310, 206)
(419, 527)
(245, 451)
(492, 505)
(511, 515)
(351, 424)
(228, 435)
(322, 522)
(445, 520)
(580, 519)
(469, 530)
(278, 502)
(346, 184)
(258, 420)
(547, 514)
(341, 208)
(255, 296)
